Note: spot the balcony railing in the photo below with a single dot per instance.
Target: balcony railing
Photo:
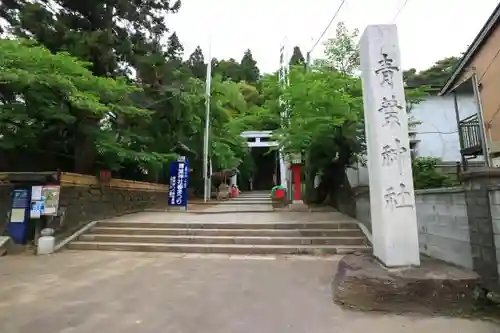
(471, 135)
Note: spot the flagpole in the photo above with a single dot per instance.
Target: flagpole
(206, 176)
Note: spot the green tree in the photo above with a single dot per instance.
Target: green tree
(43, 96)
(434, 76)
(105, 33)
(248, 68)
(228, 107)
(227, 69)
(341, 51)
(114, 37)
(326, 125)
(196, 63)
(297, 58)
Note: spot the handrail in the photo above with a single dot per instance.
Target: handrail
(473, 117)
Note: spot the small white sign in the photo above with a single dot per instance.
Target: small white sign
(36, 193)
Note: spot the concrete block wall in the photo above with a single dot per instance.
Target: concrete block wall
(494, 194)
(442, 223)
(363, 210)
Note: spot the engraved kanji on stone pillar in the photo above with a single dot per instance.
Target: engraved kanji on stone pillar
(392, 198)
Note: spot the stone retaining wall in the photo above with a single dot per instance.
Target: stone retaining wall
(5, 202)
(83, 199)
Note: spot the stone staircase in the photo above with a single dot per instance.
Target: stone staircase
(241, 233)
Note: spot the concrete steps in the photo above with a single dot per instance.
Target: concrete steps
(243, 240)
(220, 248)
(228, 232)
(225, 237)
(232, 225)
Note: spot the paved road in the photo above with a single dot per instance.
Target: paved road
(85, 292)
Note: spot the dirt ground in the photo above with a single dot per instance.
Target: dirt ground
(120, 292)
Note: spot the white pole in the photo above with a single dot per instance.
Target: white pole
(206, 176)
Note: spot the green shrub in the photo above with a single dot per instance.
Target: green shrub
(426, 174)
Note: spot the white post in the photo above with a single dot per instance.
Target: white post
(283, 170)
(283, 78)
(206, 139)
(392, 198)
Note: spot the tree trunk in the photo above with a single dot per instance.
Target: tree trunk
(311, 193)
(335, 189)
(85, 152)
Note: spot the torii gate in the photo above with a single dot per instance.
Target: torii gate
(261, 139)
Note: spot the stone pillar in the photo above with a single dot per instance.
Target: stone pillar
(283, 170)
(234, 180)
(392, 199)
(476, 184)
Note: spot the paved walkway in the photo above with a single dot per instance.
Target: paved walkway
(121, 292)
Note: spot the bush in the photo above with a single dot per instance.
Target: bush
(426, 174)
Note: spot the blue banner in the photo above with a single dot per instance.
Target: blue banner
(179, 173)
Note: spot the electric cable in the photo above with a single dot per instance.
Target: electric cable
(400, 10)
(328, 26)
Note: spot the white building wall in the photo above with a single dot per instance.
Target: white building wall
(437, 133)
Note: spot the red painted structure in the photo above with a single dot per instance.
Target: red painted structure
(297, 186)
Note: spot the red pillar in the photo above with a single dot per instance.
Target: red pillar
(297, 195)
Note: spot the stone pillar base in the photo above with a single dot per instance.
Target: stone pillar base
(299, 207)
(434, 287)
(177, 208)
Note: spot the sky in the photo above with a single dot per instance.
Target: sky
(429, 30)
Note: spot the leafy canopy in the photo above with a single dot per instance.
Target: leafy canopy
(42, 95)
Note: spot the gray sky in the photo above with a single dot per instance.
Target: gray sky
(429, 30)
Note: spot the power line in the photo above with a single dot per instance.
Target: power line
(400, 10)
(328, 26)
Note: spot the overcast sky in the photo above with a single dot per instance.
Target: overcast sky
(429, 30)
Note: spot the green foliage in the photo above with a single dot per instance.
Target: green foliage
(341, 51)
(248, 68)
(196, 63)
(43, 94)
(435, 76)
(326, 110)
(297, 58)
(426, 174)
(227, 69)
(77, 111)
(326, 105)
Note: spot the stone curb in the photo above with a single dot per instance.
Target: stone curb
(75, 235)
